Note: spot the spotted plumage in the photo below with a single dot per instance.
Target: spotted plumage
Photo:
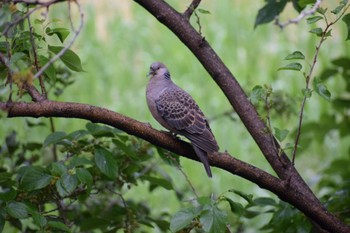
(176, 110)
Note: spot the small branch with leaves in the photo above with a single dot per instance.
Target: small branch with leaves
(300, 17)
(307, 91)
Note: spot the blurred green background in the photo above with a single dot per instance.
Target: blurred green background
(120, 40)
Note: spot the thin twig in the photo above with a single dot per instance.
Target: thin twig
(36, 64)
(269, 125)
(58, 55)
(199, 23)
(37, 2)
(192, 7)
(54, 148)
(128, 216)
(307, 79)
(302, 15)
(5, 60)
(184, 174)
(40, 5)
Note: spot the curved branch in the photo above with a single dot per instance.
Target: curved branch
(47, 108)
(282, 189)
(180, 26)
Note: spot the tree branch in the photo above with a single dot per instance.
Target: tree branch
(283, 167)
(193, 6)
(302, 15)
(180, 26)
(224, 161)
(47, 108)
(58, 55)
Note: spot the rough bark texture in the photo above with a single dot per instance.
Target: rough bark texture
(179, 24)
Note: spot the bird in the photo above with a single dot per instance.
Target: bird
(177, 111)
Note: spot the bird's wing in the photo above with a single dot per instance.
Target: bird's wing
(180, 111)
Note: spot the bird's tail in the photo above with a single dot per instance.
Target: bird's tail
(203, 157)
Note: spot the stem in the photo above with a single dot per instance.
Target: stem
(36, 64)
(308, 79)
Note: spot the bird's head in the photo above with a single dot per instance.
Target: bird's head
(159, 69)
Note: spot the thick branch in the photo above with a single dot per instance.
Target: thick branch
(181, 27)
(47, 108)
(224, 161)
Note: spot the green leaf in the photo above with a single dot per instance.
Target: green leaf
(18, 62)
(346, 20)
(105, 162)
(34, 178)
(128, 150)
(247, 197)
(156, 182)
(213, 219)
(313, 19)
(269, 12)
(292, 66)
(66, 184)
(251, 214)
(84, 176)
(342, 62)
(39, 219)
(304, 3)
(340, 7)
(281, 134)
(317, 31)
(203, 11)
(295, 55)
(93, 223)
(257, 94)
(50, 72)
(54, 138)
(236, 207)
(77, 161)
(306, 92)
(69, 58)
(2, 223)
(321, 10)
(7, 194)
(328, 73)
(98, 130)
(17, 209)
(289, 146)
(58, 168)
(61, 33)
(182, 219)
(321, 89)
(58, 225)
(76, 135)
(264, 201)
(5, 177)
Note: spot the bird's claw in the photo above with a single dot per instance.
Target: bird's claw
(172, 134)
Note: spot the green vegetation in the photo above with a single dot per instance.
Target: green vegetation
(101, 179)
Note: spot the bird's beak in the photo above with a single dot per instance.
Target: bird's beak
(151, 72)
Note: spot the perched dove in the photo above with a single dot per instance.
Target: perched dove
(175, 109)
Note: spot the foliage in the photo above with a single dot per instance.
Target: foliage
(79, 181)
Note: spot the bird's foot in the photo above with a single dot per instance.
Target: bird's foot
(172, 134)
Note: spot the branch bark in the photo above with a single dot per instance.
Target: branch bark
(281, 164)
(225, 161)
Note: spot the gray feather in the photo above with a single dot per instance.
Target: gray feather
(176, 110)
